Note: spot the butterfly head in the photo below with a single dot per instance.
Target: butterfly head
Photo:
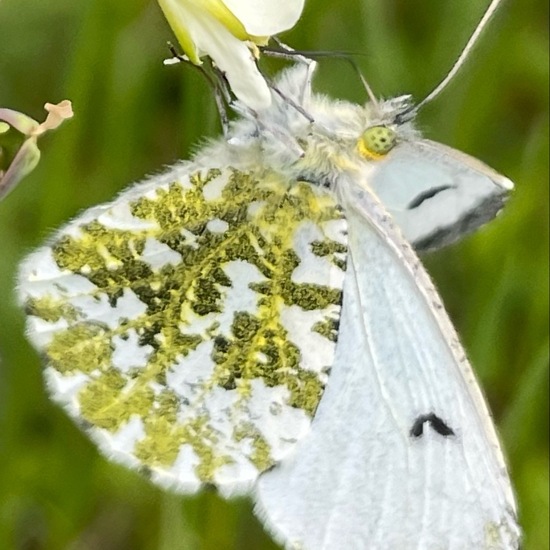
(376, 142)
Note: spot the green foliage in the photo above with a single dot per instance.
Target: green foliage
(133, 115)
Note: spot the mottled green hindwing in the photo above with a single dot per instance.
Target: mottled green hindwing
(190, 325)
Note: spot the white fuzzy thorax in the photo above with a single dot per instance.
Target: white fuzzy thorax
(282, 138)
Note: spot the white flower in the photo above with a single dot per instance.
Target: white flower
(26, 157)
(228, 32)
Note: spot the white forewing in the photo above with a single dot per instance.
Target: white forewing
(361, 479)
(435, 193)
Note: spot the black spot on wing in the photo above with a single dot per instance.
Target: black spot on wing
(435, 423)
(419, 199)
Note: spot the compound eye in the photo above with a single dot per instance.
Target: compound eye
(377, 142)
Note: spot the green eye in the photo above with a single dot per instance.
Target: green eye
(377, 141)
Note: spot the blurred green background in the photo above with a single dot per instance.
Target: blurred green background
(134, 115)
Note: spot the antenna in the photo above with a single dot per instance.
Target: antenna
(286, 52)
(489, 12)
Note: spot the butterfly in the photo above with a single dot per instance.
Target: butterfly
(257, 319)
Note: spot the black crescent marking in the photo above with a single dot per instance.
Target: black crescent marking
(417, 201)
(435, 422)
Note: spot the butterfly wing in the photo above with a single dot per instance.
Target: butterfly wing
(437, 194)
(402, 452)
(189, 325)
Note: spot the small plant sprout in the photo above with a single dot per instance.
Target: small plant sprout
(19, 133)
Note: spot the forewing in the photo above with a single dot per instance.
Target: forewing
(437, 194)
(402, 452)
(189, 325)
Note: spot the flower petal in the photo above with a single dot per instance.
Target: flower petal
(231, 55)
(234, 58)
(266, 17)
(182, 15)
(176, 14)
(219, 10)
(226, 31)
